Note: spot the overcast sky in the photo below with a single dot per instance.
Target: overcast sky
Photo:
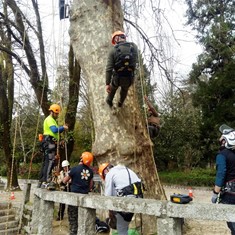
(184, 48)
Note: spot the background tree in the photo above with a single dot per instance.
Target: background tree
(22, 41)
(178, 144)
(213, 74)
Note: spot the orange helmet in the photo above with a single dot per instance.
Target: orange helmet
(87, 158)
(55, 108)
(102, 167)
(117, 33)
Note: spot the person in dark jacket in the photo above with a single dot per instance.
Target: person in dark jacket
(118, 74)
(224, 189)
(81, 178)
(153, 120)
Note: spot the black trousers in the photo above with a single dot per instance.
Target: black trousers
(49, 152)
(61, 211)
(153, 131)
(124, 83)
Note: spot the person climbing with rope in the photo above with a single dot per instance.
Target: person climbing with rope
(224, 189)
(51, 138)
(153, 119)
(120, 67)
(121, 181)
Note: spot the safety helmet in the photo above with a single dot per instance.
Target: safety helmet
(102, 167)
(117, 33)
(87, 158)
(65, 163)
(55, 108)
(51, 186)
(229, 138)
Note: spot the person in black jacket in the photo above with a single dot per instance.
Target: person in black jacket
(120, 68)
(224, 189)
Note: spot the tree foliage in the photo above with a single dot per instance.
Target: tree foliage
(177, 146)
(22, 46)
(213, 74)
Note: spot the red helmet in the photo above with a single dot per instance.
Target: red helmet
(55, 108)
(117, 33)
(87, 158)
(102, 167)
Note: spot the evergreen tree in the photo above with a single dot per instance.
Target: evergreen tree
(213, 74)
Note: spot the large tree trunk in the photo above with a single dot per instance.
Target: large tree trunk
(119, 138)
(6, 101)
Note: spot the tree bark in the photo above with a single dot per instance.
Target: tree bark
(119, 138)
(6, 101)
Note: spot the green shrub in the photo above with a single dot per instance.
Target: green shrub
(196, 177)
(3, 170)
(24, 170)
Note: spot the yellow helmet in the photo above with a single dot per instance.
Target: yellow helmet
(55, 108)
(87, 158)
(102, 167)
(117, 33)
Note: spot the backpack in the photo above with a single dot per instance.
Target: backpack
(125, 58)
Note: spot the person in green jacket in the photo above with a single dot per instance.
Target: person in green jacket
(51, 132)
(120, 67)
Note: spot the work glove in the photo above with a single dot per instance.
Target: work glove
(214, 197)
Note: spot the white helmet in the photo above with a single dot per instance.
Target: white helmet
(229, 138)
(65, 163)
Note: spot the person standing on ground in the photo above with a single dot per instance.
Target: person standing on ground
(66, 188)
(224, 189)
(121, 181)
(120, 68)
(51, 132)
(81, 178)
(153, 120)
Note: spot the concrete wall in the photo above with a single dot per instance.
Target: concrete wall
(168, 215)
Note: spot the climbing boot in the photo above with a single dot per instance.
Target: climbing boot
(109, 102)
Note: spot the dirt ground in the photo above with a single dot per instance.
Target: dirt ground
(191, 227)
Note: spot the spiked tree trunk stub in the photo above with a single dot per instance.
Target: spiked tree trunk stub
(120, 137)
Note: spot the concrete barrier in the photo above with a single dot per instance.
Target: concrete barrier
(169, 216)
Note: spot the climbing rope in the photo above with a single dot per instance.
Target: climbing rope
(143, 93)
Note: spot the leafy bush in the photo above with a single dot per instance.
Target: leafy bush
(196, 177)
(25, 168)
(3, 170)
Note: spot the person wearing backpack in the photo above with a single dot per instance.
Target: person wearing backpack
(120, 67)
(224, 189)
(120, 181)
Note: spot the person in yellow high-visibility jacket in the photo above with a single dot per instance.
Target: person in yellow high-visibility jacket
(51, 132)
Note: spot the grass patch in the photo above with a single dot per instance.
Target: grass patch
(196, 177)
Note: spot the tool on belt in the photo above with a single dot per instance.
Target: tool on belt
(180, 198)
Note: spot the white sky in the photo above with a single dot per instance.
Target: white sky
(185, 50)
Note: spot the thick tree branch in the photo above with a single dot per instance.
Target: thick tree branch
(18, 59)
